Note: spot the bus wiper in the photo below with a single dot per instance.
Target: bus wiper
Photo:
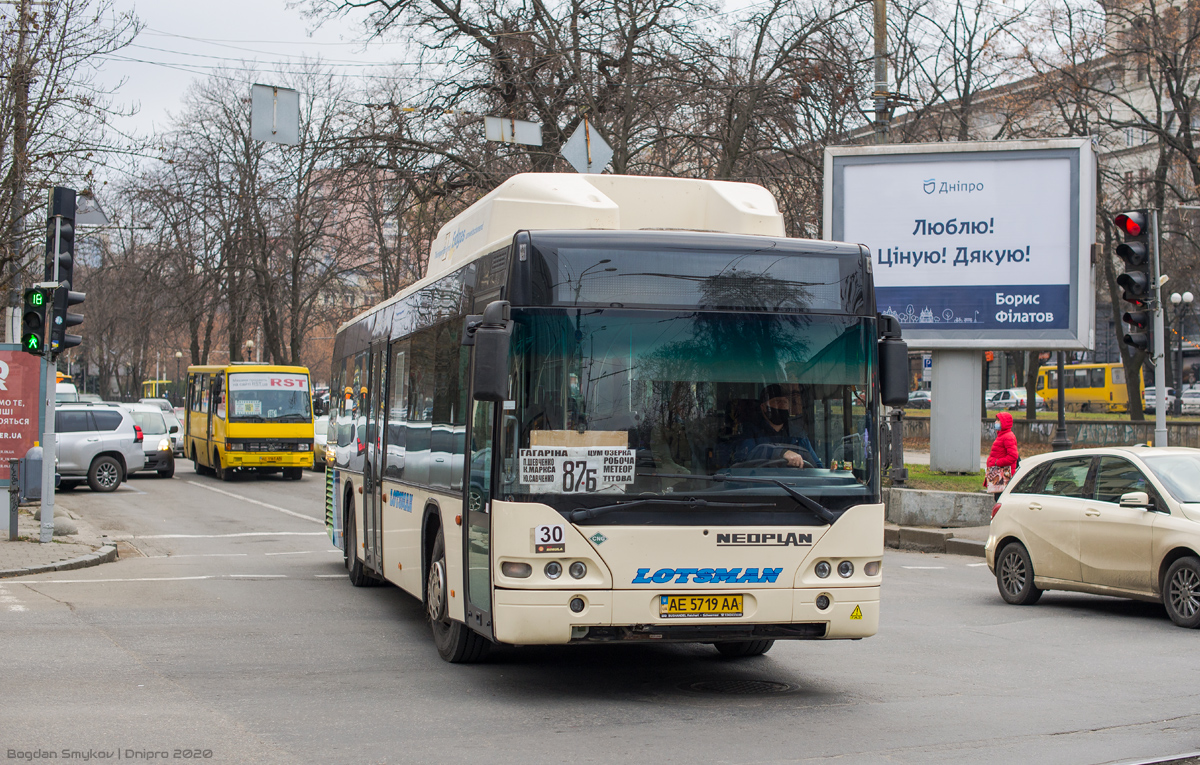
(247, 418)
(691, 503)
(291, 418)
(807, 503)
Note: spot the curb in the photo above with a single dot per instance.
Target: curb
(105, 554)
(931, 540)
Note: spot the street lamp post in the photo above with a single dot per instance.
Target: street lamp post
(1181, 303)
(178, 356)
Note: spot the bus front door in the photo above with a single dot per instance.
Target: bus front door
(372, 469)
(477, 541)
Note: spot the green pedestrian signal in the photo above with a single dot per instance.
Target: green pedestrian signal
(35, 320)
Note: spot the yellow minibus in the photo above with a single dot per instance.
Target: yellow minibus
(249, 418)
(1088, 387)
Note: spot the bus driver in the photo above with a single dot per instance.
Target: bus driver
(780, 426)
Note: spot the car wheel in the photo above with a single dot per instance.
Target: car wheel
(455, 641)
(167, 472)
(1181, 592)
(105, 474)
(1014, 576)
(740, 649)
(223, 473)
(293, 473)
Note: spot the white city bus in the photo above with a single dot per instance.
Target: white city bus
(620, 409)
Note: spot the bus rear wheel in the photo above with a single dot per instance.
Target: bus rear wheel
(223, 473)
(455, 641)
(740, 649)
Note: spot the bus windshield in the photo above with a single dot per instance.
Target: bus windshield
(269, 397)
(624, 402)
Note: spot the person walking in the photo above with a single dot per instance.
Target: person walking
(1003, 459)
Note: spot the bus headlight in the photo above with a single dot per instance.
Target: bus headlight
(164, 445)
(578, 569)
(845, 569)
(516, 569)
(823, 570)
(553, 570)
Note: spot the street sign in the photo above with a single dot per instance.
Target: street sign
(505, 130)
(927, 368)
(586, 150)
(274, 114)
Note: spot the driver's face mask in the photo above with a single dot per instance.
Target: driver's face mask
(776, 415)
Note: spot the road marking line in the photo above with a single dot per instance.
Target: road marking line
(239, 534)
(256, 502)
(16, 608)
(924, 568)
(973, 565)
(301, 552)
(130, 488)
(257, 576)
(140, 579)
(202, 555)
(330, 576)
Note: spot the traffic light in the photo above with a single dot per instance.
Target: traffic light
(35, 319)
(1136, 283)
(63, 300)
(60, 226)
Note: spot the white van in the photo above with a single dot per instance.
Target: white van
(65, 393)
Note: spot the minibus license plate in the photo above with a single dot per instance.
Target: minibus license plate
(673, 606)
(271, 459)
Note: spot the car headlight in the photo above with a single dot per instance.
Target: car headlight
(164, 445)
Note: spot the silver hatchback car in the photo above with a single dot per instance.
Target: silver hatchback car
(97, 443)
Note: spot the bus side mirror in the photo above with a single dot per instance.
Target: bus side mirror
(893, 363)
(490, 334)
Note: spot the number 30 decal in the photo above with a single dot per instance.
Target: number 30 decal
(548, 535)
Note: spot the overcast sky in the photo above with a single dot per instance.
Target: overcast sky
(183, 40)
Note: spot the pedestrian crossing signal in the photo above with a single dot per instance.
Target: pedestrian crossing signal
(35, 320)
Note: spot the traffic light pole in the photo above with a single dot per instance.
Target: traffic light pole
(1160, 355)
(49, 445)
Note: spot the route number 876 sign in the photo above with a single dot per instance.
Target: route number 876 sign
(577, 469)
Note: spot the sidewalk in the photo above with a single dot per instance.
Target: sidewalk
(85, 547)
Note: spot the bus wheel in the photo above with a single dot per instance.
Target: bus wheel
(223, 473)
(455, 641)
(358, 576)
(740, 649)
(200, 469)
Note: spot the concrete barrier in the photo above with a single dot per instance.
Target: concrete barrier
(953, 509)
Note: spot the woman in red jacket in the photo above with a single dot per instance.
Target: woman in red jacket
(1002, 460)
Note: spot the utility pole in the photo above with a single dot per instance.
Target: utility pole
(881, 78)
(18, 82)
(1160, 352)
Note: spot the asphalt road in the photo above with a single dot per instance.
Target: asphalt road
(238, 634)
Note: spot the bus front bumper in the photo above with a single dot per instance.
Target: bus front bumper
(545, 617)
(269, 459)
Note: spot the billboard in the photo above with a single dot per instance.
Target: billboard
(20, 391)
(974, 244)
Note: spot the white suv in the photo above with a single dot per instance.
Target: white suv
(98, 443)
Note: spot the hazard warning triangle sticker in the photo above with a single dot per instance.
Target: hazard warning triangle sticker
(856, 613)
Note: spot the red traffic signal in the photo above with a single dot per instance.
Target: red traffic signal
(1132, 223)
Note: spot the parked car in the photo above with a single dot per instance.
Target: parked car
(97, 443)
(1119, 521)
(320, 441)
(175, 431)
(1191, 402)
(160, 452)
(920, 399)
(1149, 397)
(1009, 398)
(161, 403)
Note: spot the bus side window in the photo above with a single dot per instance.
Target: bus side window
(1041, 382)
(345, 406)
(397, 413)
(203, 386)
(1097, 377)
(1118, 375)
(218, 394)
